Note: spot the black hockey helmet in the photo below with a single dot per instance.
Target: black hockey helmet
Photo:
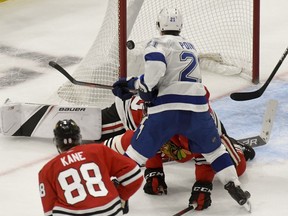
(66, 135)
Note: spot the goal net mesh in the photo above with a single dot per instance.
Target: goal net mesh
(221, 30)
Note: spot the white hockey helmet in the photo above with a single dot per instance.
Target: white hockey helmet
(169, 19)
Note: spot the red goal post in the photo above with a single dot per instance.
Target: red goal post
(225, 32)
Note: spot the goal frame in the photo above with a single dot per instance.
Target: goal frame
(256, 42)
(122, 38)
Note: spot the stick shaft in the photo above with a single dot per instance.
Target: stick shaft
(76, 82)
(242, 96)
(184, 211)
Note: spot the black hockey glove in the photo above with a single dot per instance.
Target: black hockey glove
(122, 93)
(125, 206)
(201, 195)
(122, 87)
(155, 181)
(248, 151)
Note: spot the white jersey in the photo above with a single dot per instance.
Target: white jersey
(171, 64)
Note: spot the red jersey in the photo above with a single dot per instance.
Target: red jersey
(130, 111)
(78, 182)
(203, 170)
(179, 144)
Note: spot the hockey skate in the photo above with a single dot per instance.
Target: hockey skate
(239, 195)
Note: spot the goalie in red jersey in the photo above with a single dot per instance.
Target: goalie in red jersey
(78, 180)
(131, 113)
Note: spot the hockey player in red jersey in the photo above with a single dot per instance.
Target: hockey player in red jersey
(78, 180)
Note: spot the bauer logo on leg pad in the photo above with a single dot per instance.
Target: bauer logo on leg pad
(39, 120)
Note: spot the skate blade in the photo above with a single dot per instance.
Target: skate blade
(248, 206)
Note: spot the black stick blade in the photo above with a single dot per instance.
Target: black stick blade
(243, 96)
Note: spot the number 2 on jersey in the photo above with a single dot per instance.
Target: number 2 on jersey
(185, 75)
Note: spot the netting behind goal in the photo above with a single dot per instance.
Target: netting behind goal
(225, 32)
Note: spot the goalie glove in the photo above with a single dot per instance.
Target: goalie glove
(155, 181)
(201, 195)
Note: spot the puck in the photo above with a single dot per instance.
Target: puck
(130, 44)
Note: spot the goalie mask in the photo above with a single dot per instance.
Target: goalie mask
(169, 19)
(66, 135)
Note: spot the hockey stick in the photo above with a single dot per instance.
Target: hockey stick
(254, 141)
(247, 206)
(184, 211)
(267, 124)
(242, 96)
(76, 82)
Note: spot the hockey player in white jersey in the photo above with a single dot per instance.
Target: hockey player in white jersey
(171, 86)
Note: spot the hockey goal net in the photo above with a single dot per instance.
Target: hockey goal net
(225, 32)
